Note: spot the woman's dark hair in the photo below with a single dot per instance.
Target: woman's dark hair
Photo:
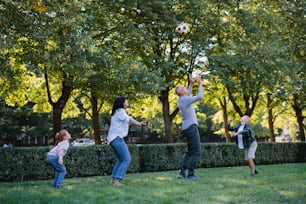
(118, 103)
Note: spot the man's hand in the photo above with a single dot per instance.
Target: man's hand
(191, 80)
(198, 80)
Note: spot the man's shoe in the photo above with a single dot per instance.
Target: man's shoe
(193, 177)
(181, 175)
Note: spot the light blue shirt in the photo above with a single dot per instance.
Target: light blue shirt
(119, 125)
(185, 104)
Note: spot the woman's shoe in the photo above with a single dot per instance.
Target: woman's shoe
(112, 181)
(117, 182)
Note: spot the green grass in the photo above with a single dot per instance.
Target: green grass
(284, 183)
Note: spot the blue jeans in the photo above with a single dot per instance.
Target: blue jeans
(60, 170)
(122, 152)
(193, 150)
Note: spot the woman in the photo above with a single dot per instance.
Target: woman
(245, 140)
(119, 128)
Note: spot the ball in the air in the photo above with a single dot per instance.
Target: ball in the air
(182, 28)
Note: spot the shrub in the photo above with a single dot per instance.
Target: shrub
(29, 163)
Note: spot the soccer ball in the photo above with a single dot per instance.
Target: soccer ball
(182, 28)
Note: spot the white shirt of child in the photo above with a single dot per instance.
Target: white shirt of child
(240, 139)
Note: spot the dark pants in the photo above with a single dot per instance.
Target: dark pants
(193, 150)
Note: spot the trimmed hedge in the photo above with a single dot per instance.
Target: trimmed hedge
(29, 163)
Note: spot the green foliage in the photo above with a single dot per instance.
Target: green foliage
(160, 157)
(18, 164)
(215, 155)
(259, 130)
(130, 47)
(22, 121)
(278, 153)
(27, 163)
(78, 127)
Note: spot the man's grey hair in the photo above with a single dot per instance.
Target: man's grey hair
(178, 90)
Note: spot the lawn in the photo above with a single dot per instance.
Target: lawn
(283, 183)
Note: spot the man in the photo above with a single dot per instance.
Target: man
(190, 127)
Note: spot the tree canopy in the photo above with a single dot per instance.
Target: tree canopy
(70, 58)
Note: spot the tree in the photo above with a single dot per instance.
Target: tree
(293, 14)
(88, 52)
(62, 45)
(12, 118)
(159, 48)
(238, 57)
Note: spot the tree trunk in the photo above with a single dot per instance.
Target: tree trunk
(57, 118)
(168, 128)
(95, 118)
(58, 106)
(299, 117)
(223, 103)
(166, 115)
(270, 118)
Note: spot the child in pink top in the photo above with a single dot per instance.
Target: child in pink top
(55, 157)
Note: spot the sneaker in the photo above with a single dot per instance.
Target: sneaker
(117, 183)
(193, 177)
(256, 172)
(112, 181)
(181, 175)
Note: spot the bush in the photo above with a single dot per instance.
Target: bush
(160, 157)
(29, 163)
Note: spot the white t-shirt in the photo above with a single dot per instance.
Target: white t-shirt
(240, 139)
(119, 125)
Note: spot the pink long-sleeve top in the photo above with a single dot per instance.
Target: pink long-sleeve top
(60, 149)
